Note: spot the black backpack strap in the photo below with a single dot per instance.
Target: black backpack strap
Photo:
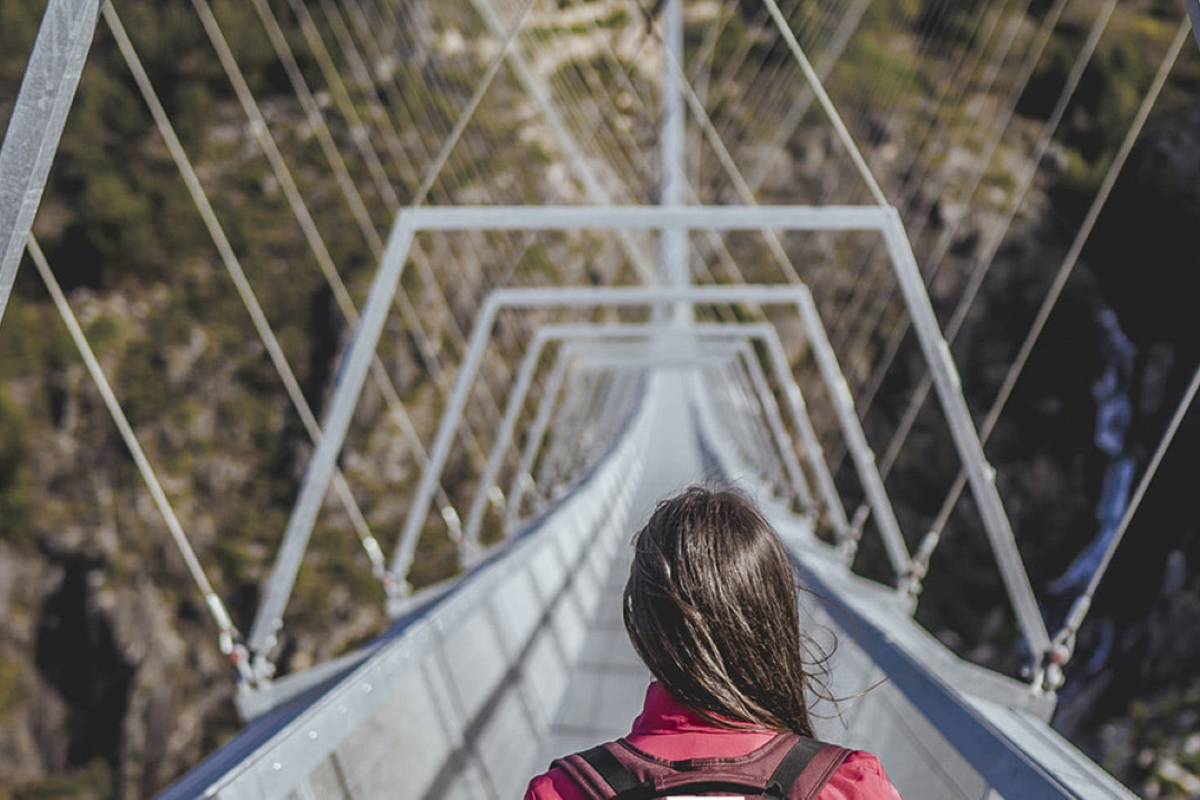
(797, 759)
(806, 768)
(622, 781)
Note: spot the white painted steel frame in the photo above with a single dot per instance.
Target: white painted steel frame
(599, 331)
(798, 296)
(36, 124)
(884, 220)
(516, 401)
(753, 331)
(673, 242)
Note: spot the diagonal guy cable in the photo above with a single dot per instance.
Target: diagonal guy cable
(216, 608)
(814, 81)
(1067, 267)
(434, 169)
(992, 248)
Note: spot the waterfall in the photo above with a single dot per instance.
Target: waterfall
(1111, 391)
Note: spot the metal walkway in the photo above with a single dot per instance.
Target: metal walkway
(564, 324)
(529, 658)
(608, 681)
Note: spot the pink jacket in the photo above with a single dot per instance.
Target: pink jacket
(667, 729)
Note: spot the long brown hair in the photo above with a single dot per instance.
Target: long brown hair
(711, 609)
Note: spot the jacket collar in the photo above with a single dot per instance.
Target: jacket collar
(662, 713)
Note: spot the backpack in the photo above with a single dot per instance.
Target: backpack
(789, 766)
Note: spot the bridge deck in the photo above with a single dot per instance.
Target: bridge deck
(528, 659)
(608, 681)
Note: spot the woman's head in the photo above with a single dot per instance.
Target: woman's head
(710, 607)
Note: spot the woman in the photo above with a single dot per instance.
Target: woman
(711, 610)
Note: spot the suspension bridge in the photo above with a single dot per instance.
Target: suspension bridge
(600, 252)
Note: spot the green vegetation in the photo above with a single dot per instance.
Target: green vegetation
(874, 66)
(1109, 94)
(615, 18)
(16, 484)
(12, 694)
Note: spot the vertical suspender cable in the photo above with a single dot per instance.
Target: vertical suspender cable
(358, 134)
(838, 388)
(374, 242)
(434, 170)
(942, 245)
(921, 392)
(877, 285)
(803, 101)
(919, 195)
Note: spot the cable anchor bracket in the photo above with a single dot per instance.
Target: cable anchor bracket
(1049, 674)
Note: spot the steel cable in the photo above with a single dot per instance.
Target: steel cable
(230, 637)
(240, 281)
(1065, 270)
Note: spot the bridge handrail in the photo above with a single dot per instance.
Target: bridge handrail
(981, 727)
(286, 747)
